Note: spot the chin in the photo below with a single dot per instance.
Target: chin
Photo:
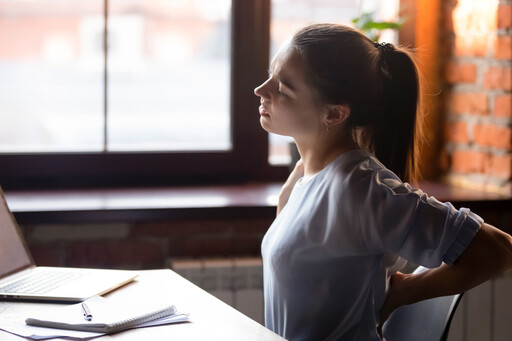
(265, 125)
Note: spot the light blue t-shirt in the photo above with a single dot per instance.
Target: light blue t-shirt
(329, 254)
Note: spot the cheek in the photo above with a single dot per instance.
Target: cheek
(302, 119)
(305, 113)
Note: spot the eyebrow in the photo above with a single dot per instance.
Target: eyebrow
(286, 83)
(282, 80)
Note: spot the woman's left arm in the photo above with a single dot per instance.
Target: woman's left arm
(488, 254)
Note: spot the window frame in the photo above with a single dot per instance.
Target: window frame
(246, 161)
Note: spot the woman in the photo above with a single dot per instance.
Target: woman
(346, 222)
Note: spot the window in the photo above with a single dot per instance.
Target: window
(167, 76)
(51, 98)
(166, 98)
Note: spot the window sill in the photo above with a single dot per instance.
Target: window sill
(144, 204)
(141, 204)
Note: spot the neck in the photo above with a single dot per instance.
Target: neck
(316, 156)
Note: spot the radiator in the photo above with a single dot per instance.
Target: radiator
(484, 313)
(238, 281)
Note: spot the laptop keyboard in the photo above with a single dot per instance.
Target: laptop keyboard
(41, 282)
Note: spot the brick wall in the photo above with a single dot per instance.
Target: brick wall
(477, 97)
(144, 245)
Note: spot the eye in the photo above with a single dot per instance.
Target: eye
(278, 90)
(280, 93)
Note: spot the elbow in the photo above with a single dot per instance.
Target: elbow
(507, 262)
(493, 254)
(503, 248)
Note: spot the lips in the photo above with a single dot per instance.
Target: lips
(263, 111)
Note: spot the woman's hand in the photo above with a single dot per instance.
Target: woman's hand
(393, 298)
(286, 190)
(488, 254)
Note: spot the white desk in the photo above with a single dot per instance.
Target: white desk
(211, 318)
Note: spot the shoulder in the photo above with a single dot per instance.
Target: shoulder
(359, 167)
(360, 177)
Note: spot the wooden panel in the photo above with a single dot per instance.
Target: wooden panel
(457, 328)
(479, 313)
(503, 308)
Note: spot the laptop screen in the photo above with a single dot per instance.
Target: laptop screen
(14, 255)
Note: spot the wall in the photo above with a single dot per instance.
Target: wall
(144, 245)
(477, 96)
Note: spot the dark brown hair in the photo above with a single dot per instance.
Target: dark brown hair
(378, 82)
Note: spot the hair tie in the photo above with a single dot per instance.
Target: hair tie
(385, 51)
(385, 48)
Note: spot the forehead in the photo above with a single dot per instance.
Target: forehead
(287, 62)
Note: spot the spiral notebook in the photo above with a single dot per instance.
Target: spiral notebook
(108, 316)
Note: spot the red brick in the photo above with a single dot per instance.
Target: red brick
(504, 17)
(469, 103)
(185, 227)
(460, 73)
(468, 161)
(445, 161)
(471, 46)
(260, 225)
(498, 78)
(503, 106)
(448, 23)
(456, 132)
(113, 254)
(450, 4)
(215, 245)
(180, 227)
(247, 245)
(493, 136)
(500, 166)
(46, 254)
(503, 47)
(448, 45)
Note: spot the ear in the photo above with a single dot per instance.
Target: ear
(336, 114)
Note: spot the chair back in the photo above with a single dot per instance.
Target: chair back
(428, 320)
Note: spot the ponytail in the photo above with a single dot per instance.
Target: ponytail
(395, 131)
(378, 82)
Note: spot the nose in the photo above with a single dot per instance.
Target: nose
(257, 90)
(260, 90)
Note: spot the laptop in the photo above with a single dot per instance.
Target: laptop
(21, 279)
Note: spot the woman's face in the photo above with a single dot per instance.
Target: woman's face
(288, 105)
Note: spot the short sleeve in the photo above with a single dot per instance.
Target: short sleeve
(468, 228)
(403, 220)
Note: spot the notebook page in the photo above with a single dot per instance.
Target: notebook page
(108, 316)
